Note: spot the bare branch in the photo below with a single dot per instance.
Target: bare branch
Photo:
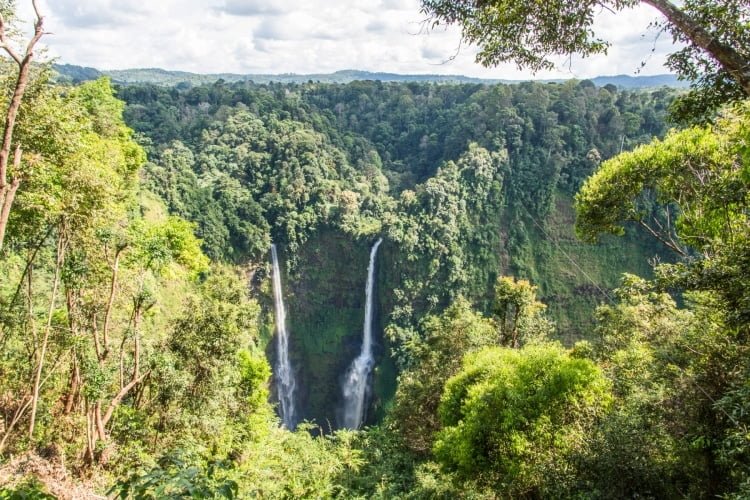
(12, 53)
(36, 11)
(667, 242)
(38, 33)
(120, 395)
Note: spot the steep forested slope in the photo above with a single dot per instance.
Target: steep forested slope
(465, 182)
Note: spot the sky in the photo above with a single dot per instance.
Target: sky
(309, 36)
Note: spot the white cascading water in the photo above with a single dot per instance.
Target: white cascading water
(355, 381)
(285, 384)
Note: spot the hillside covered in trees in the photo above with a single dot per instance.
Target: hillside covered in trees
(557, 283)
(466, 183)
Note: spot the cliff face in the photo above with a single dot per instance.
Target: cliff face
(326, 311)
(325, 297)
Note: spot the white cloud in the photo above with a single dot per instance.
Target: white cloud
(250, 7)
(306, 36)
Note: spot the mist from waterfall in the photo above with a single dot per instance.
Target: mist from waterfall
(356, 379)
(285, 384)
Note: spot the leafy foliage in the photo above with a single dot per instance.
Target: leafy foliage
(515, 418)
(702, 172)
(519, 314)
(435, 355)
(712, 85)
(29, 490)
(130, 351)
(526, 33)
(177, 477)
(457, 178)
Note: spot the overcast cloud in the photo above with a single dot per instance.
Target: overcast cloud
(312, 36)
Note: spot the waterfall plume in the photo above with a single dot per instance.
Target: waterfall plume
(285, 384)
(357, 377)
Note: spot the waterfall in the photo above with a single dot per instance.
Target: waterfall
(284, 375)
(355, 381)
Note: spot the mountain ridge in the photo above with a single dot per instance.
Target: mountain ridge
(73, 73)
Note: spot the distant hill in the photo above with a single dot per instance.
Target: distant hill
(633, 82)
(71, 73)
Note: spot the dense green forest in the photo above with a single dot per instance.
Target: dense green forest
(467, 183)
(561, 296)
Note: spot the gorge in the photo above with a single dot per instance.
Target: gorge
(463, 182)
(556, 273)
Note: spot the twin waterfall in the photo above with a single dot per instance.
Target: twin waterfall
(285, 384)
(355, 381)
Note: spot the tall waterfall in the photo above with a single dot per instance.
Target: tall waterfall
(284, 375)
(355, 381)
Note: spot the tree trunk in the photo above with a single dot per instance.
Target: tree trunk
(40, 364)
(96, 420)
(8, 195)
(10, 118)
(515, 327)
(16, 417)
(74, 386)
(71, 400)
(110, 302)
(100, 432)
(90, 438)
(731, 60)
(7, 191)
(23, 406)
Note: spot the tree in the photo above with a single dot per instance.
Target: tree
(90, 163)
(23, 60)
(714, 82)
(447, 338)
(701, 172)
(519, 315)
(669, 367)
(716, 32)
(515, 418)
(215, 326)
(79, 205)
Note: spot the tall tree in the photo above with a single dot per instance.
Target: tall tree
(519, 315)
(515, 419)
(23, 60)
(702, 172)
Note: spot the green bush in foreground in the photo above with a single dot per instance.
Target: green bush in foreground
(517, 419)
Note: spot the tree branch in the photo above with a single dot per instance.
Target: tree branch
(731, 60)
(656, 235)
(111, 300)
(5, 43)
(120, 395)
